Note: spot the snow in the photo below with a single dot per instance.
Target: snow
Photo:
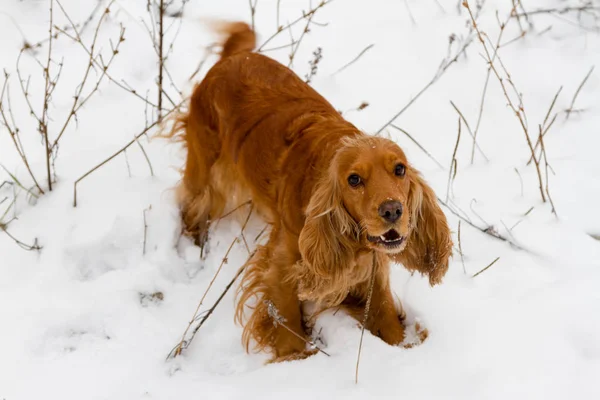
(82, 318)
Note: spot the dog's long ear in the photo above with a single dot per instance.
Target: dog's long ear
(429, 244)
(328, 238)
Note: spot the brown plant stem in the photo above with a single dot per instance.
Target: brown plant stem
(519, 110)
(365, 317)
(486, 268)
(47, 92)
(418, 145)
(183, 343)
(122, 149)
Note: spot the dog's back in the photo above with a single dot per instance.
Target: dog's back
(246, 117)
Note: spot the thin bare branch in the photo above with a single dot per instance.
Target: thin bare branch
(448, 61)
(278, 319)
(545, 127)
(365, 317)
(571, 109)
(146, 157)
(77, 101)
(294, 22)
(121, 84)
(418, 145)
(489, 230)
(462, 258)
(252, 11)
(47, 92)
(122, 149)
(24, 246)
(184, 343)
(453, 162)
(145, 229)
(161, 58)
(13, 131)
(471, 133)
(541, 139)
(355, 59)
(518, 109)
(304, 32)
(588, 7)
(486, 268)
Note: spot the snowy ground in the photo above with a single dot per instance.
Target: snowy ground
(78, 319)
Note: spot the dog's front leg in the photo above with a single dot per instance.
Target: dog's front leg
(288, 336)
(384, 320)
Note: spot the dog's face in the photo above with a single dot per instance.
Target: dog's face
(370, 197)
(373, 176)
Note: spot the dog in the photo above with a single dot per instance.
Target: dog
(342, 205)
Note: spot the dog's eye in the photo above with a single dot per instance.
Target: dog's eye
(354, 180)
(400, 170)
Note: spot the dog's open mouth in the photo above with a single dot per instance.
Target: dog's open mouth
(390, 239)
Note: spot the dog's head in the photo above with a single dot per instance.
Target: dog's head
(374, 180)
(370, 197)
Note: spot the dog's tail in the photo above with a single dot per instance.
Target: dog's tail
(237, 37)
(240, 38)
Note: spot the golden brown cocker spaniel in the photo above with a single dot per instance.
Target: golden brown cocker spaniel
(341, 204)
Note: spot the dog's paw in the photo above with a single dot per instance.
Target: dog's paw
(415, 335)
(301, 355)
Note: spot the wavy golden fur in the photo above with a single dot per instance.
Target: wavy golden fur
(341, 204)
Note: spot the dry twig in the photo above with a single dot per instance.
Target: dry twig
(546, 125)
(443, 67)
(13, 130)
(471, 133)
(51, 72)
(486, 268)
(253, 11)
(520, 180)
(418, 145)
(121, 150)
(207, 313)
(518, 109)
(314, 64)
(488, 230)
(587, 7)
(462, 258)
(161, 57)
(365, 317)
(355, 59)
(146, 157)
(278, 319)
(48, 89)
(184, 343)
(145, 228)
(571, 107)
(453, 163)
(24, 246)
(102, 66)
(305, 15)
(306, 29)
(521, 220)
(78, 101)
(541, 139)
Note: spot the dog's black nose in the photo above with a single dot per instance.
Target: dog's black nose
(390, 210)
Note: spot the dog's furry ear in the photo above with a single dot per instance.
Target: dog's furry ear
(429, 244)
(326, 241)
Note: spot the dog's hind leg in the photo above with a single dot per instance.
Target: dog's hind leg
(275, 323)
(198, 198)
